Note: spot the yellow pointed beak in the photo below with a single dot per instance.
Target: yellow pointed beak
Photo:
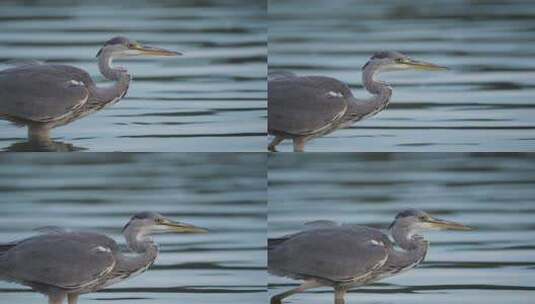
(439, 224)
(424, 66)
(182, 227)
(153, 51)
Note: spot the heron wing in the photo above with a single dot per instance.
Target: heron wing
(336, 254)
(64, 260)
(42, 93)
(305, 105)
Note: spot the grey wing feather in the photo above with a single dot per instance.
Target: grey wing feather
(305, 105)
(320, 224)
(51, 229)
(280, 74)
(42, 93)
(6, 246)
(335, 254)
(19, 62)
(313, 225)
(273, 242)
(67, 260)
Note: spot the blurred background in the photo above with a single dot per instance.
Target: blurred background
(486, 102)
(492, 192)
(213, 98)
(100, 192)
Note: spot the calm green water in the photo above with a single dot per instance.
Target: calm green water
(211, 99)
(493, 193)
(100, 192)
(484, 103)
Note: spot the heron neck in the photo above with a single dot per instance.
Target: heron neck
(138, 239)
(105, 60)
(144, 250)
(414, 248)
(408, 240)
(136, 263)
(359, 109)
(122, 78)
(375, 87)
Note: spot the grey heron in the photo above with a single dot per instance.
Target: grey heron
(45, 96)
(347, 256)
(64, 264)
(305, 107)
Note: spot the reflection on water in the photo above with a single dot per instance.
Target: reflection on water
(42, 146)
(484, 103)
(493, 193)
(100, 192)
(210, 99)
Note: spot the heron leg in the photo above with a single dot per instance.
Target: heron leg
(277, 299)
(273, 144)
(38, 133)
(73, 298)
(339, 295)
(56, 298)
(299, 144)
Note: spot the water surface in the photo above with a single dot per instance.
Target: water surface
(484, 103)
(223, 193)
(493, 193)
(210, 99)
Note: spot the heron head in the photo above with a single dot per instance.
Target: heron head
(396, 61)
(123, 47)
(417, 220)
(152, 222)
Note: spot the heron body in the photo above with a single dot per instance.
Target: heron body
(305, 107)
(348, 256)
(45, 96)
(63, 264)
(33, 94)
